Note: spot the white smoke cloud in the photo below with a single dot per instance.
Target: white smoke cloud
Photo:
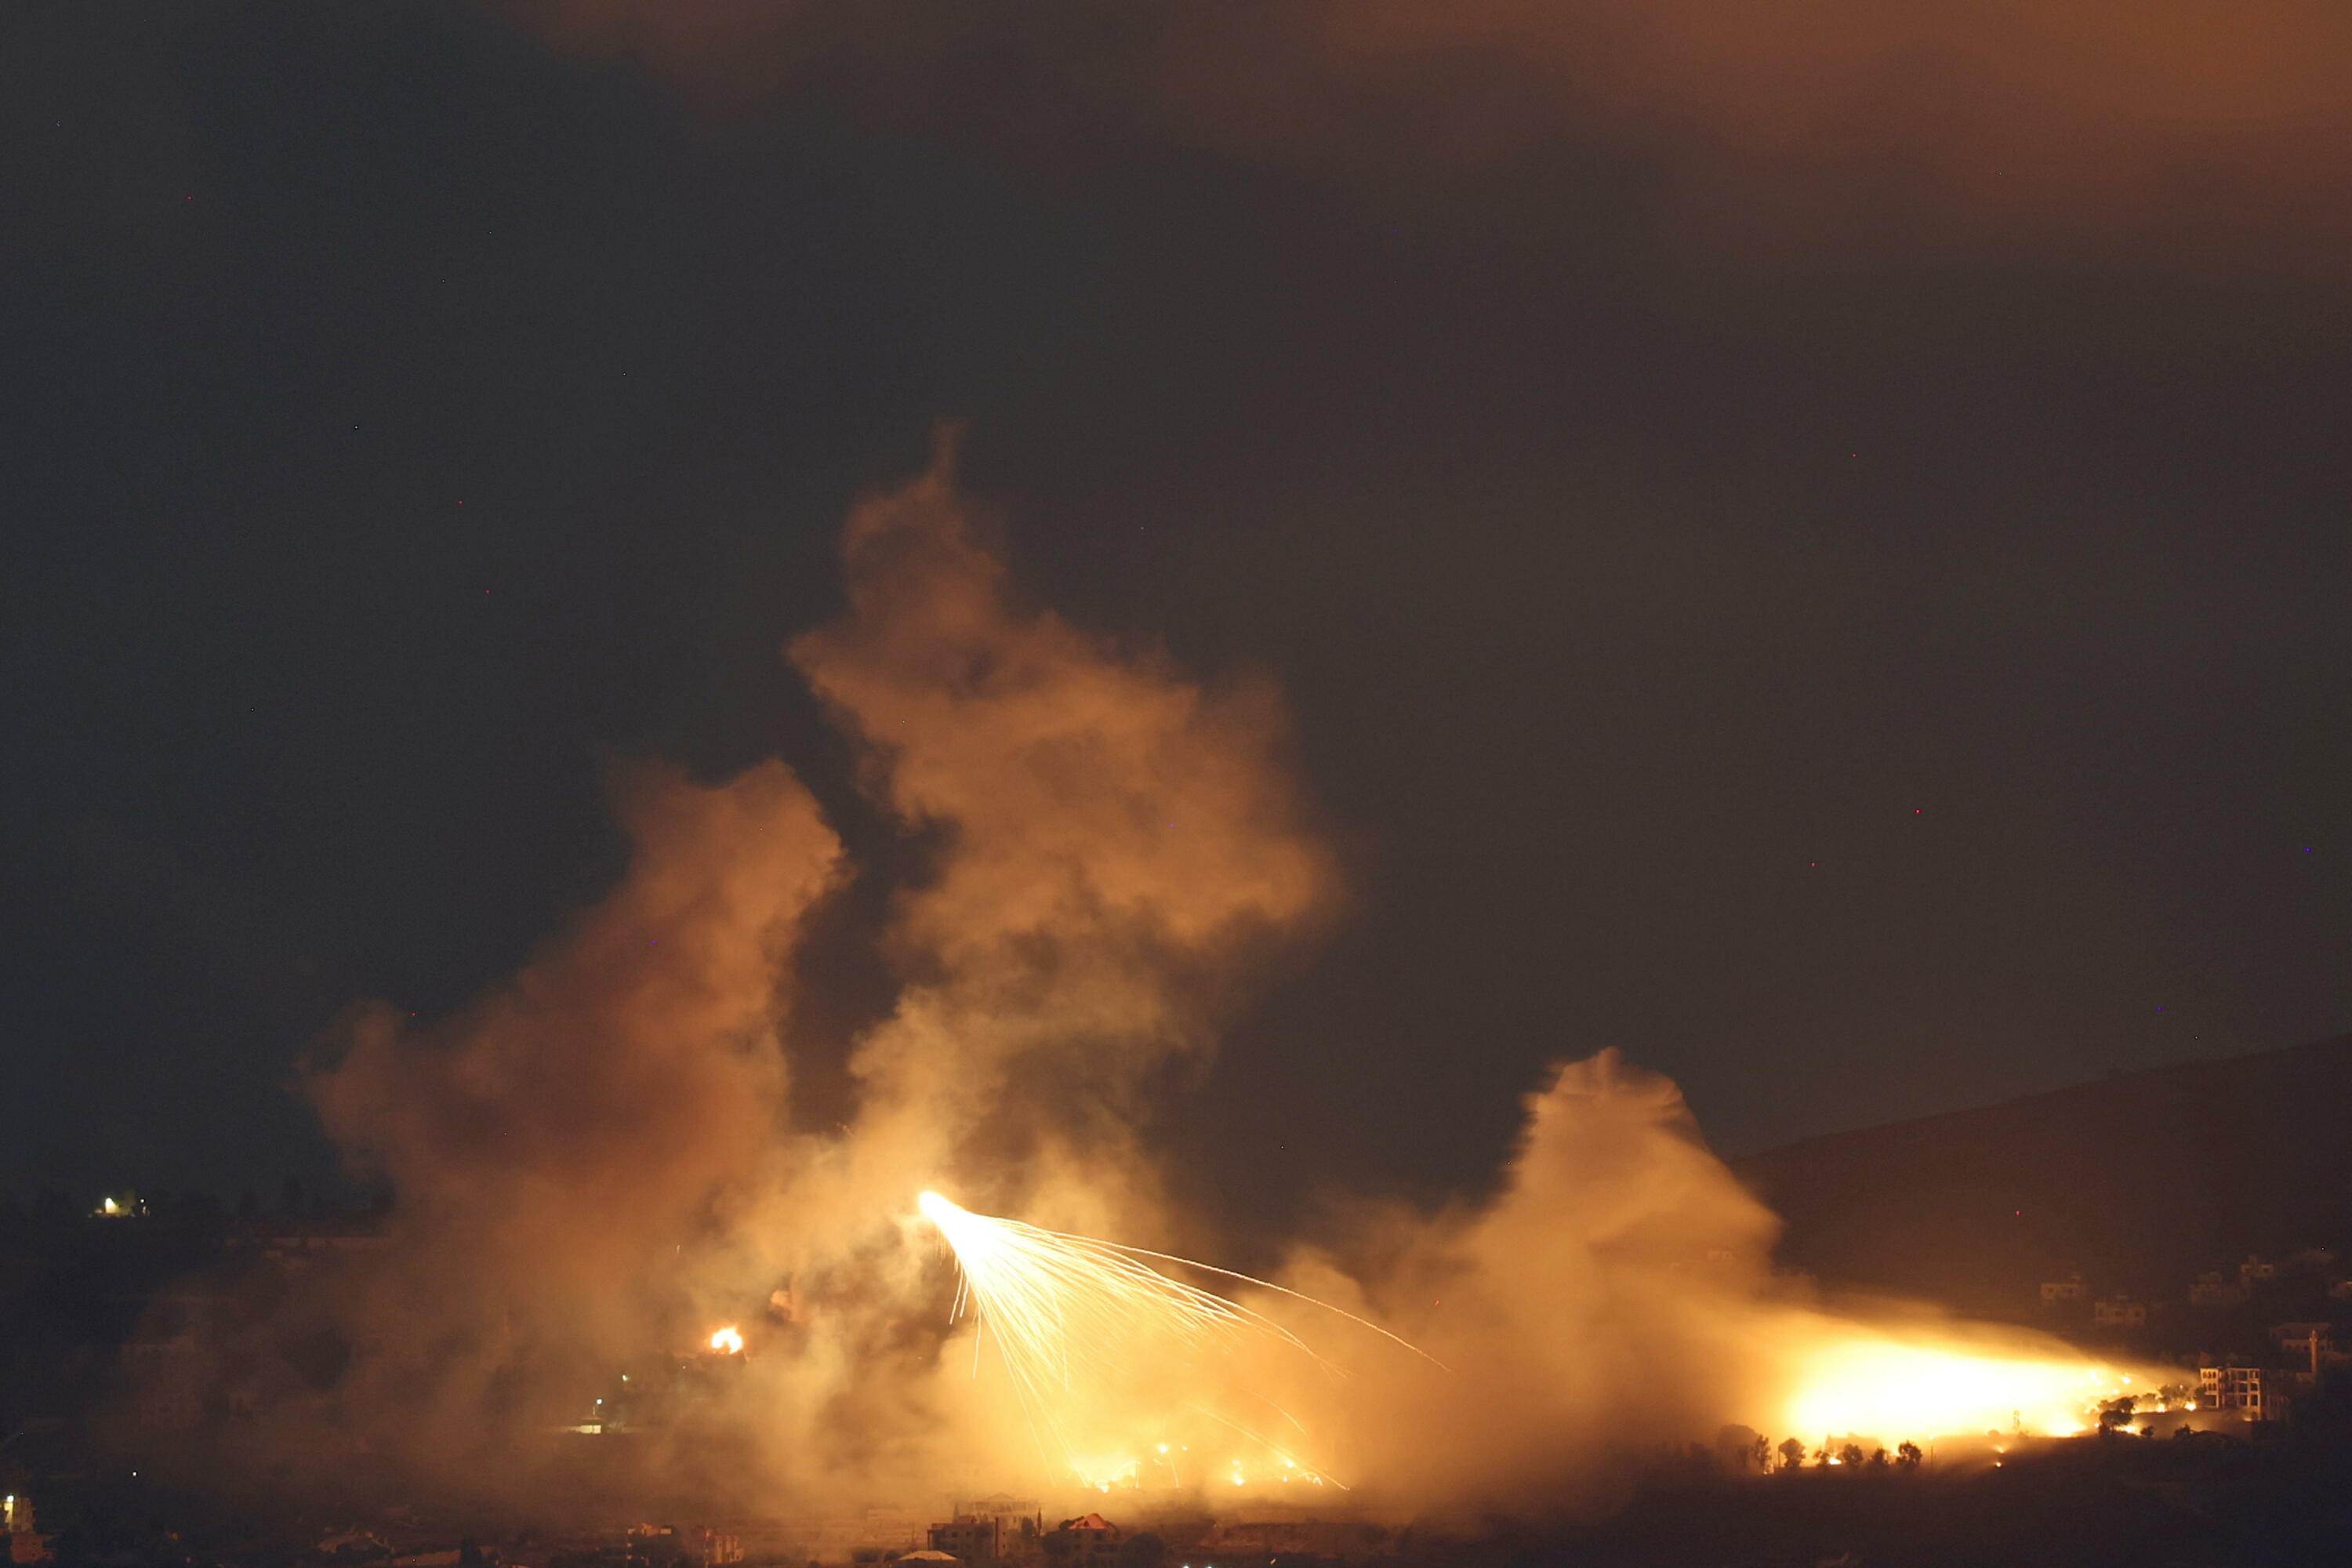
(594, 1164)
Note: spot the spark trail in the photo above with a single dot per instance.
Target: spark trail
(1070, 1314)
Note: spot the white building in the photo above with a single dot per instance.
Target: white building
(2233, 1388)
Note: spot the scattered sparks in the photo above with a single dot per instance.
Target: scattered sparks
(1056, 1301)
(1069, 1314)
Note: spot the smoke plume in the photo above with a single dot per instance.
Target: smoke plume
(557, 1147)
(614, 1270)
(594, 1166)
(1614, 1300)
(2196, 131)
(1120, 841)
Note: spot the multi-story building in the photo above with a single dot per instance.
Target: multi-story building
(2056, 1291)
(1008, 1511)
(2119, 1312)
(2233, 1388)
(973, 1540)
(2212, 1290)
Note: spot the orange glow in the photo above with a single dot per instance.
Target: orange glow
(1085, 1330)
(1879, 1385)
(727, 1340)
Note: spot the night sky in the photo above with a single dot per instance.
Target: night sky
(1861, 626)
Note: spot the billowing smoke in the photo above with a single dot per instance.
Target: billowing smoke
(558, 1150)
(594, 1164)
(1121, 842)
(1596, 1304)
(594, 1167)
(1615, 1300)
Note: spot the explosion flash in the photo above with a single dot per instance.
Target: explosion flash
(727, 1340)
(1069, 1311)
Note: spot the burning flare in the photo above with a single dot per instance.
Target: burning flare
(1071, 1314)
(727, 1340)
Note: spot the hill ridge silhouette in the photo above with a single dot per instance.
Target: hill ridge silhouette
(2138, 1182)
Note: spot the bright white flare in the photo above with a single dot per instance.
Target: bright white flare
(1072, 1315)
(1058, 1302)
(727, 1340)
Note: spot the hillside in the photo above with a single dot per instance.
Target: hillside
(2138, 1182)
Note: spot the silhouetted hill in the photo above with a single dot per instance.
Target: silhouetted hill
(2139, 1182)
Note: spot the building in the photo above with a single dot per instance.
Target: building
(895, 1529)
(1011, 1513)
(2119, 1312)
(2212, 1290)
(2057, 1291)
(1094, 1540)
(2234, 1388)
(2256, 1271)
(972, 1539)
(988, 1529)
(24, 1545)
(2311, 1348)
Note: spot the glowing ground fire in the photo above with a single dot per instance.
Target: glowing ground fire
(1880, 1385)
(1069, 1313)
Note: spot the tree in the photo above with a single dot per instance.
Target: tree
(1740, 1448)
(1878, 1458)
(1907, 1455)
(1793, 1453)
(1850, 1456)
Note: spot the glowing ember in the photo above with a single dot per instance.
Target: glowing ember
(727, 1340)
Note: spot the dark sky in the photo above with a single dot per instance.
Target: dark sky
(1860, 625)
